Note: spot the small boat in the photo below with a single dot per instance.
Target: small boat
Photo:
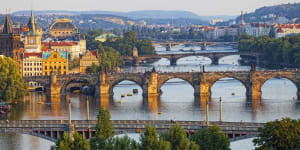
(232, 94)
(135, 91)
(76, 91)
(159, 113)
(129, 94)
(40, 102)
(121, 101)
(123, 95)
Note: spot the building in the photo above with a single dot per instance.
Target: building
(55, 61)
(258, 29)
(87, 60)
(32, 64)
(215, 21)
(10, 41)
(33, 38)
(73, 48)
(63, 28)
(104, 37)
(216, 33)
(283, 30)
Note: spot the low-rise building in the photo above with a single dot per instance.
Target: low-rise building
(55, 61)
(283, 30)
(32, 64)
(87, 60)
(104, 37)
(72, 48)
(258, 29)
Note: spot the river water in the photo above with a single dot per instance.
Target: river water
(177, 102)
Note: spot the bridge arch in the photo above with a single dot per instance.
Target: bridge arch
(203, 58)
(243, 83)
(79, 81)
(116, 82)
(221, 59)
(163, 79)
(281, 77)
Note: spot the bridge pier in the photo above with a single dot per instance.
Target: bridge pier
(173, 61)
(214, 60)
(54, 88)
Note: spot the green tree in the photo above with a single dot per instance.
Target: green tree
(272, 33)
(124, 143)
(104, 130)
(211, 138)
(64, 143)
(74, 63)
(92, 69)
(279, 134)
(104, 126)
(12, 86)
(177, 137)
(80, 142)
(149, 139)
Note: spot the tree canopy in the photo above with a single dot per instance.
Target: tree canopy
(279, 134)
(275, 52)
(66, 143)
(125, 45)
(12, 86)
(211, 138)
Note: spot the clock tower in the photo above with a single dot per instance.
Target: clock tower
(33, 38)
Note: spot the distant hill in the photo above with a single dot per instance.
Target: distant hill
(270, 13)
(142, 14)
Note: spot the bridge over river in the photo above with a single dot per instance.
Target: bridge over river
(214, 56)
(151, 82)
(53, 129)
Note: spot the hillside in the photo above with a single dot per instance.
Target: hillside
(276, 13)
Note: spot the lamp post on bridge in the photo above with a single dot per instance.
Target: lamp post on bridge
(70, 122)
(207, 115)
(220, 109)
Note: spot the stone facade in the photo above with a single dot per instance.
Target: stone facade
(87, 60)
(63, 28)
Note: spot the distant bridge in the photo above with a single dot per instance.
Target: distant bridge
(53, 129)
(212, 55)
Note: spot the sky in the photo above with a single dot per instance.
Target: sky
(200, 7)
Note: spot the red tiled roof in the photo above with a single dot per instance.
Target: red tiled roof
(94, 53)
(59, 43)
(33, 54)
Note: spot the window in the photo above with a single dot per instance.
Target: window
(45, 67)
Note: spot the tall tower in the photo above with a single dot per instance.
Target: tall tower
(242, 18)
(9, 42)
(33, 39)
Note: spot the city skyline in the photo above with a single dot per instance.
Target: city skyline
(210, 8)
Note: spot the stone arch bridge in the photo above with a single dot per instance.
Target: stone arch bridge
(213, 56)
(151, 82)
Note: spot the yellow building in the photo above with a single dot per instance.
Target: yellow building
(55, 61)
(63, 28)
(87, 60)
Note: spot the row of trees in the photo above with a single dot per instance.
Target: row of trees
(285, 51)
(175, 139)
(126, 44)
(12, 86)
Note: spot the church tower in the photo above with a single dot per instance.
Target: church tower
(9, 41)
(33, 39)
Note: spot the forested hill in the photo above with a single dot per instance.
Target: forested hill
(264, 14)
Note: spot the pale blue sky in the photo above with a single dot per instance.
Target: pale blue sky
(201, 7)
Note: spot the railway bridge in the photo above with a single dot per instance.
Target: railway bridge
(53, 129)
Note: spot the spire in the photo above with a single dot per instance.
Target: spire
(31, 23)
(7, 25)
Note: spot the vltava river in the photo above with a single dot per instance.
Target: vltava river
(177, 102)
